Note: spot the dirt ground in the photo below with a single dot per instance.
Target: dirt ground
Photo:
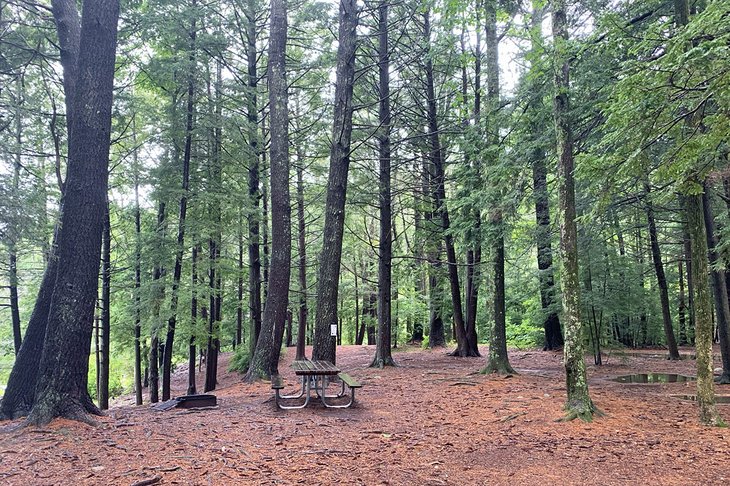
(432, 421)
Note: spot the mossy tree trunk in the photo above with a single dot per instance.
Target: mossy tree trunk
(579, 404)
(703, 310)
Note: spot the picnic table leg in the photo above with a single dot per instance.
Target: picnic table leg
(301, 391)
(290, 407)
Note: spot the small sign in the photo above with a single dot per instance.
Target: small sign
(333, 330)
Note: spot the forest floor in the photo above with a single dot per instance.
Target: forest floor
(434, 420)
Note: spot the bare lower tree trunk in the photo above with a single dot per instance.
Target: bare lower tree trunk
(578, 404)
(137, 281)
(438, 188)
(20, 391)
(105, 321)
(254, 194)
(661, 278)
(180, 248)
(61, 387)
(719, 287)
(703, 311)
(265, 360)
(331, 256)
(498, 361)
(383, 355)
(192, 351)
(302, 246)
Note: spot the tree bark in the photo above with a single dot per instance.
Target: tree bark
(302, 246)
(192, 351)
(661, 278)
(383, 356)
(438, 188)
(703, 311)
(20, 391)
(61, 388)
(180, 247)
(137, 278)
(215, 179)
(331, 256)
(254, 194)
(265, 360)
(719, 287)
(543, 232)
(498, 361)
(579, 404)
(105, 321)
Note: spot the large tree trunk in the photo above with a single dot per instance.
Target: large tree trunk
(498, 361)
(20, 391)
(661, 278)
(579, 402)
(383, 355)
(331, 256)
(719, 287)
(61, 388)
(265, 360)
(703, 311)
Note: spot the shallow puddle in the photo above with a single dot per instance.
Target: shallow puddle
(654, 378)
(718, 398)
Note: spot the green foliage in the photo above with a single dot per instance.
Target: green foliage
(240, 360)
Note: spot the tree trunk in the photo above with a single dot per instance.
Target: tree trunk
(579, 404)
(105, 321)
(331, 256)
(61, 387)
(383, 355)
(498, 361)
(302, 246)
(180, 248)
(703, 311)
(158, 295)
(474, 253)
(543, 232)
(438, 188)
(137, 278)
(265, 360)
(254, 218)
(20, 391)
(192, 351)
(215, 179)
(719, 286)
(661, 278)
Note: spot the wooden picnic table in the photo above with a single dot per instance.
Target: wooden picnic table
(306, 367)
(316, 376)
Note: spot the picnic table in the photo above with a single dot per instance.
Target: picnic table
(315, 378)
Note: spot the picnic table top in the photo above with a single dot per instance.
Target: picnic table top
(307, 368)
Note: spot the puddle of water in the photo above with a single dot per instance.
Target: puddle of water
(718, 398)
(654, 378)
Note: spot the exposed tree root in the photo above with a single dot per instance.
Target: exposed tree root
(382, 363)
(724, 379)
(581, 410)
(498, 369)
(72, 409)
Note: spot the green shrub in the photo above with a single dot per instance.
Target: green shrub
(240, 360)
